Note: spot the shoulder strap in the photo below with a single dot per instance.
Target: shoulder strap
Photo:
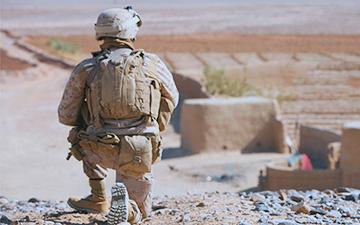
(98, 58)
(152, 66)
(135, 59)
(93, 107)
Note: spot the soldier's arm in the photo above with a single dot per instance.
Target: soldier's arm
(169, 92)
(74, 94)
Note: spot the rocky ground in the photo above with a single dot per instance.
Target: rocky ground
(287, 207)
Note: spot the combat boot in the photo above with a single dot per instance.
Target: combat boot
(94, 203)
(119, 210)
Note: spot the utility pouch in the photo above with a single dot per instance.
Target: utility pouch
(135, 155)
(75, 148)
(156, 142)
(102, 150)
(155, 98)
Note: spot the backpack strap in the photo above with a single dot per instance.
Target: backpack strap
(135, 59)
(152, 66)
(93, 107)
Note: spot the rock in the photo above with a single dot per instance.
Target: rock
(277, 207)
(207, 217)
(158, 207)
(22, 203)
(4, 220)
(351, 197)
(185, 217)
(243, 223)
(173, 212)
(302, 207)
(315, 211)
(201, 204)
(297, 198)
(3, 200)
(257, 197)
(325, 200)
(263, 219)
(159, 212)
(305, 219)
(342, 190)
(33, 200)
(61, 206)
(334, 213)
(262, 207)
(313, 194)
(283, 222)
(282, 195)
(48, 223)
(9, 206)
(345, 211)
(329, 192)
(172, 168)
(25, 219)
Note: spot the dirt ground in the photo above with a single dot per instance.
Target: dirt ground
(225, 42)
(10, 63)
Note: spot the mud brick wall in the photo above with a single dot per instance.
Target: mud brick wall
(248, 124)
(350, 155)
(280, 177)
(314, 142)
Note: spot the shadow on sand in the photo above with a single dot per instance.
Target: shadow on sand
(169, 153)
(63, 217)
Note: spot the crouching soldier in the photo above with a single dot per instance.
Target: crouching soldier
(118, 101)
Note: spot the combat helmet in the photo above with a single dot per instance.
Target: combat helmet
(118, 23)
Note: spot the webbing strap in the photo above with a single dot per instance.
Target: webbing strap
(92, 106)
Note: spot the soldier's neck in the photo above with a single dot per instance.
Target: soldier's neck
(116, 43)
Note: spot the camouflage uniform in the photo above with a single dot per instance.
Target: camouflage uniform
(70, 113)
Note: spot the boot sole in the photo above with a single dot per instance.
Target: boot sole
(119, 205)
(85, 210)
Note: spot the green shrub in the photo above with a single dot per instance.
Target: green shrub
(218, 83)
(62, 46)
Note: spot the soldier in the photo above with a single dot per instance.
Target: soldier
(118, 101)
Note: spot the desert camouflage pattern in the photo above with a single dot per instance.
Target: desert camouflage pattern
(118, 23)
(96, 163)
(139, 188)
(69, 110)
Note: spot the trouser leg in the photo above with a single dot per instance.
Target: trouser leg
(139, 190)
(94, 171)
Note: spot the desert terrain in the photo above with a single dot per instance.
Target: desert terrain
(304, 54)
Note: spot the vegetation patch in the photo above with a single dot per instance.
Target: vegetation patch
(219, 82)
(62, 46)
